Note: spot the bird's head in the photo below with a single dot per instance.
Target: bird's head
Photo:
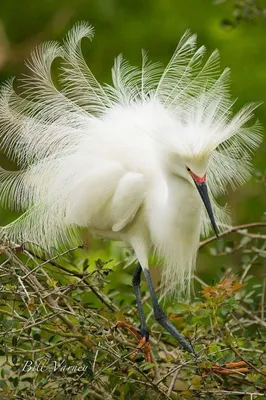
(199, 134)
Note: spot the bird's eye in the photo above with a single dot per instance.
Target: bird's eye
(188, 169)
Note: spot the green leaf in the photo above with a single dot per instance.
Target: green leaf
(131, 372)
(85, 264)
(196, 382)
(14, 340)
(180, 308)
(14, 359)
(146, 365)
(3, 383)
(37, 336)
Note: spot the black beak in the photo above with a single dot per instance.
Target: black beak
(203, 191)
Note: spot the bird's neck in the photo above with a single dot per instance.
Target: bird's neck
(174, 207)
(183, 200)
(175, 228)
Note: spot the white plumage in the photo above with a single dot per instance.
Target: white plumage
(115, 158)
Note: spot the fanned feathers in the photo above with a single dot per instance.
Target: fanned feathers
(52, 134)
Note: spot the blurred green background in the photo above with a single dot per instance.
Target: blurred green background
(236, 28)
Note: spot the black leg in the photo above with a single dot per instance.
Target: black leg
(162, 318)
(136, 286)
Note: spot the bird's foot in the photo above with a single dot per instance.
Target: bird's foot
(131, 328)
(144, 343)
(230, 368)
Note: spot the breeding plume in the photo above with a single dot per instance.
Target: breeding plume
(130, 161)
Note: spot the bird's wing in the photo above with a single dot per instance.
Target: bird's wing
(91, 193)
(107, 198)
(127, 199)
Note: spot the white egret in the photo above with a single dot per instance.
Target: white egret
(129, 161)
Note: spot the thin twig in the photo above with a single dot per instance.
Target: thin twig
(104, 299)
(173, 381)
(263, 299)
(232, 229)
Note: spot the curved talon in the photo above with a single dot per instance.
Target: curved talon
(146, 346)
(147, 352)
(131, 328)
(144, 343)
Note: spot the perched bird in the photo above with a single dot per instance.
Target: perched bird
(130, 160)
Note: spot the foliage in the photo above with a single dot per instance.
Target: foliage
(244, 10)
(60, 314)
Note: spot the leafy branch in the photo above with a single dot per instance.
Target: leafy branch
(61, 311)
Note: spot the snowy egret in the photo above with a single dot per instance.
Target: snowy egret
(129, 161)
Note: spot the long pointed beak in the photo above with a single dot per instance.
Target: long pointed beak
(203, 191)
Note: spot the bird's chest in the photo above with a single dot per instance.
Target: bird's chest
(176, 212)
(184, 207)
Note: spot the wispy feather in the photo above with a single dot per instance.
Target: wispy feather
(80, 146)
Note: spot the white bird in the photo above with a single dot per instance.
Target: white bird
(129, 161)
